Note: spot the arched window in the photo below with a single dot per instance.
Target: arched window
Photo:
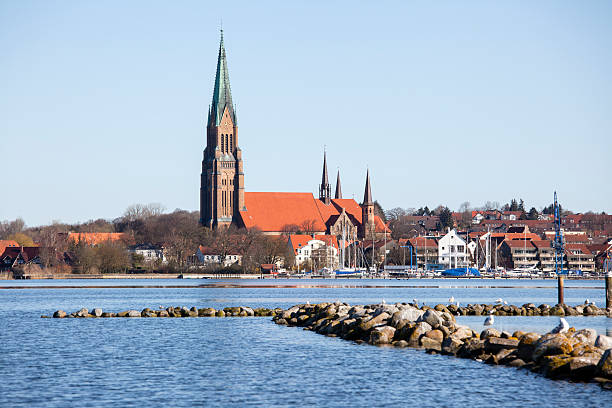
(231, 142)
(227, 142)
(222, 143)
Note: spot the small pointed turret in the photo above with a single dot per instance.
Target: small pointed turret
(367, 195)
(325, 188)
(338, 188)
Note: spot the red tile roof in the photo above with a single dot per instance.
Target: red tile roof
(298, 241)
(519, 244)
(5, 243)
(274, 211)
(271, 212)
(95, 238)
(542, 243)
(569, 248)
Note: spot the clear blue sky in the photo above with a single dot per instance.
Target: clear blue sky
(103, 104)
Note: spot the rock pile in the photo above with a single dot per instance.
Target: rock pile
(575, 355)
(171, 312)
(528, 309)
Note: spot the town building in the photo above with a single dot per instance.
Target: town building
(579, 258)
(452, 251)
(148, 252)
(317, 251)
(522, 253)
(545, 255)
(209, 257)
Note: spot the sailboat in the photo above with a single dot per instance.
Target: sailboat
(347, 271)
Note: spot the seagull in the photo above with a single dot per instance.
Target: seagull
(383, 302)
(489, 320)
(505, 303)
(562, 327)
(452, 299)
(308, 303)
(457, 304)
(499, 300)
(414, 301)
(586, 302)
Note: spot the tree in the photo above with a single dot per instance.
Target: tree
(378, 210)
(395, 214)
(521, 206)
(22, 239)
(446, 219)
(514, 205)
(112, 257)
(464, 207)
(533, 214)
(8, 228)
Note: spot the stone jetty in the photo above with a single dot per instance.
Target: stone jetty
(561, 354)
(172, 311)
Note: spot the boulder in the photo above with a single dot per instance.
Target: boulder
(432, 318)
(133, 313)
(206, 312)
(583, 368)
(249, 311)
(221, 313)
(82, 313)
(430, 343)
(550, 345)
(471, 348)
(604, 367)
(97, 312)
(162, 313)
(419, 330)
(586, 336)
(367, 324)
(436, 335)
(107, 314)
(556, 366)
(496, 344)
(490, 332)
(399, 318)
(603, 342)
(59, 314)
(451, 345)
(382, 335)
(517, 362)
(462, 332)
(124, 313)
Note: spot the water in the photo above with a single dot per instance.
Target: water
(251, 361)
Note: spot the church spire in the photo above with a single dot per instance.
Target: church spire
(324, 188)
(338, 188)
(367, 195)
(222, 94)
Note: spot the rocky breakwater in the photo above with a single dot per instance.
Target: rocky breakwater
(574, 355)
(528, 309)
(172, 311)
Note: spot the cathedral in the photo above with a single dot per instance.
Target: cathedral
(223, 201)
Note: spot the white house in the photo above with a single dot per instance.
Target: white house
(320, 249)
(209, 257)
(452, 251)
(149, 252)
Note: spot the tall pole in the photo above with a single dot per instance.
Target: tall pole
(558, 245)
(608, 277)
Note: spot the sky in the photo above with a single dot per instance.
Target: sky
(103, 104)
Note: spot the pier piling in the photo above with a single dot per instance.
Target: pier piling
(608, 290)
(560, 289)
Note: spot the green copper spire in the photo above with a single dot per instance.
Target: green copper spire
(222, 95)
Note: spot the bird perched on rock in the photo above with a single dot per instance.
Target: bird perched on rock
(489, 320)
(383, 302)
(499, 300)
(562, 327)
(452, 299)
(586, 302)
(505, 303)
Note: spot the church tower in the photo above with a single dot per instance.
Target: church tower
(325, 188)
(338, 187)
(368, 228)
(222, 178)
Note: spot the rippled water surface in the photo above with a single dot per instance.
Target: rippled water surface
(253, 362)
